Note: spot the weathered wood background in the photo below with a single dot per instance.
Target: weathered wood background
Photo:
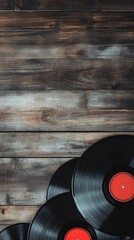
(66, 81)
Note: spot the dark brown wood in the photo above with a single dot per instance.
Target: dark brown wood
(67, 110)
(25, 181)
(16, 214)
(95, 50)
(30, 144)
(74, 39)
(67, 5)
(57, 20)
(43, 50)
(48, 5)
(114, 5)
(40, 73)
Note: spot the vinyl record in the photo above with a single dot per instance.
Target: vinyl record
(103, 185)
(59, 219)
(15, 232)
(61, 180)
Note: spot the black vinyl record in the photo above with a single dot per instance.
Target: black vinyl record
(59, 219)
(61, 180)
(103, 185)
(15, 232)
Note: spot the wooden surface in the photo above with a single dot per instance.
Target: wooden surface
(66, 5)
(67, 110)
(66, 81)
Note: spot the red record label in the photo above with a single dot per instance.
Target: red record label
(77, 234)
(121, 187)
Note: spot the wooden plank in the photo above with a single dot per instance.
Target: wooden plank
(30, 144)
(67, 110)
(62, 50)
(47, 5)
(67, 5)
(16, 214)
(77, 73)
(66, 44)
(114, 5)
(28, 39)
(39, 72)
(18, 184)
(57, 20)
(52, 44)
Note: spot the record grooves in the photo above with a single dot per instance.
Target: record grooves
(61, 180)
(103, 185)
(58, 217)
(88, 198)
(15, 232)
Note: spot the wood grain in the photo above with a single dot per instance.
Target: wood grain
(67, 110)
(28, 39)
(16, 214)
(38, 73)
(57, 20)
(66, 5)
(63, 50)
(30, 144)
(47, 5)
(25, 181)
(93, 55)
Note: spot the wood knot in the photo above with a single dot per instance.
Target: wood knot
(45, 116)
(3, 211)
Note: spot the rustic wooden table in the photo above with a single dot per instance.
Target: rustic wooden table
(66, 80)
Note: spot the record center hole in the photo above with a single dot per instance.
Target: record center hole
(121, 187)
(77, 234)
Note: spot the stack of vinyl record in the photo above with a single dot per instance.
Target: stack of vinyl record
(88, 198)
